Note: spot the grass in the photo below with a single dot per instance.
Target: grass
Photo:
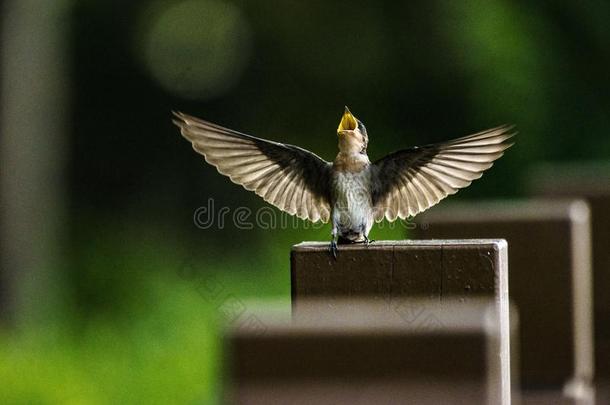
(162, 352)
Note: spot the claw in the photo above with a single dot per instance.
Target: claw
(367, 240)
(333, 249)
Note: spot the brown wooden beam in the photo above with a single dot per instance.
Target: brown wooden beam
(549, 279)
(359, 352)
(387, 270)
(590, 181)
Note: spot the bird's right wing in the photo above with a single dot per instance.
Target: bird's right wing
(286, 176)
(412, 180)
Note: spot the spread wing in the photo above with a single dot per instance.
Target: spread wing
(412, 180)
(291, 178)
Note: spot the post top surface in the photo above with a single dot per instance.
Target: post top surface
(517, 210)
(588, 178)
(497, 244)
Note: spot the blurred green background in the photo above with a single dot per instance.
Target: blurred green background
(110, 292)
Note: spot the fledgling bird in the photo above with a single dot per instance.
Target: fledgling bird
(351, 191)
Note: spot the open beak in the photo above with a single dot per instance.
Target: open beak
(348, 122)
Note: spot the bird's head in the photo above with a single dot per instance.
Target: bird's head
(352, 134)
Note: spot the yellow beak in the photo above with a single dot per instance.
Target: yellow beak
(348, 122)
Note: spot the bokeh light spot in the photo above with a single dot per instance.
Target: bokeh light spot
(194, 48)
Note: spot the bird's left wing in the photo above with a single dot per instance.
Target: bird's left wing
(412, 180)
(286, 176)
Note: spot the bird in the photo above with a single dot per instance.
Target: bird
(352, 192)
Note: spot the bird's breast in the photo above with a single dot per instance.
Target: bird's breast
(351, 194)
(351, 162)
(352, 205)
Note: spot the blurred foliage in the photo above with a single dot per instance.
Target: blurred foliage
(155, 342)
(201, 68)
(135, 328)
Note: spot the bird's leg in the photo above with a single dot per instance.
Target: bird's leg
(333, 243)
(333, 249)
(365, 233)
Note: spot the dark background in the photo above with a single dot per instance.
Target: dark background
(131, 313)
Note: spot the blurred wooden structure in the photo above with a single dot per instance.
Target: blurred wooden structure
(590, 181)
(33, 109)
(364, 352)
(549, 279)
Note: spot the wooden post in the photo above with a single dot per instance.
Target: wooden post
(590, 181)
(549, 278)
(358, 352)
(34, 86)
(392, 271)
(387, 270)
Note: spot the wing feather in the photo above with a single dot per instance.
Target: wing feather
(412, 180)
(286, 176)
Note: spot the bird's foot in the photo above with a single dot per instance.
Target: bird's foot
(332, 249)
(368, 241)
